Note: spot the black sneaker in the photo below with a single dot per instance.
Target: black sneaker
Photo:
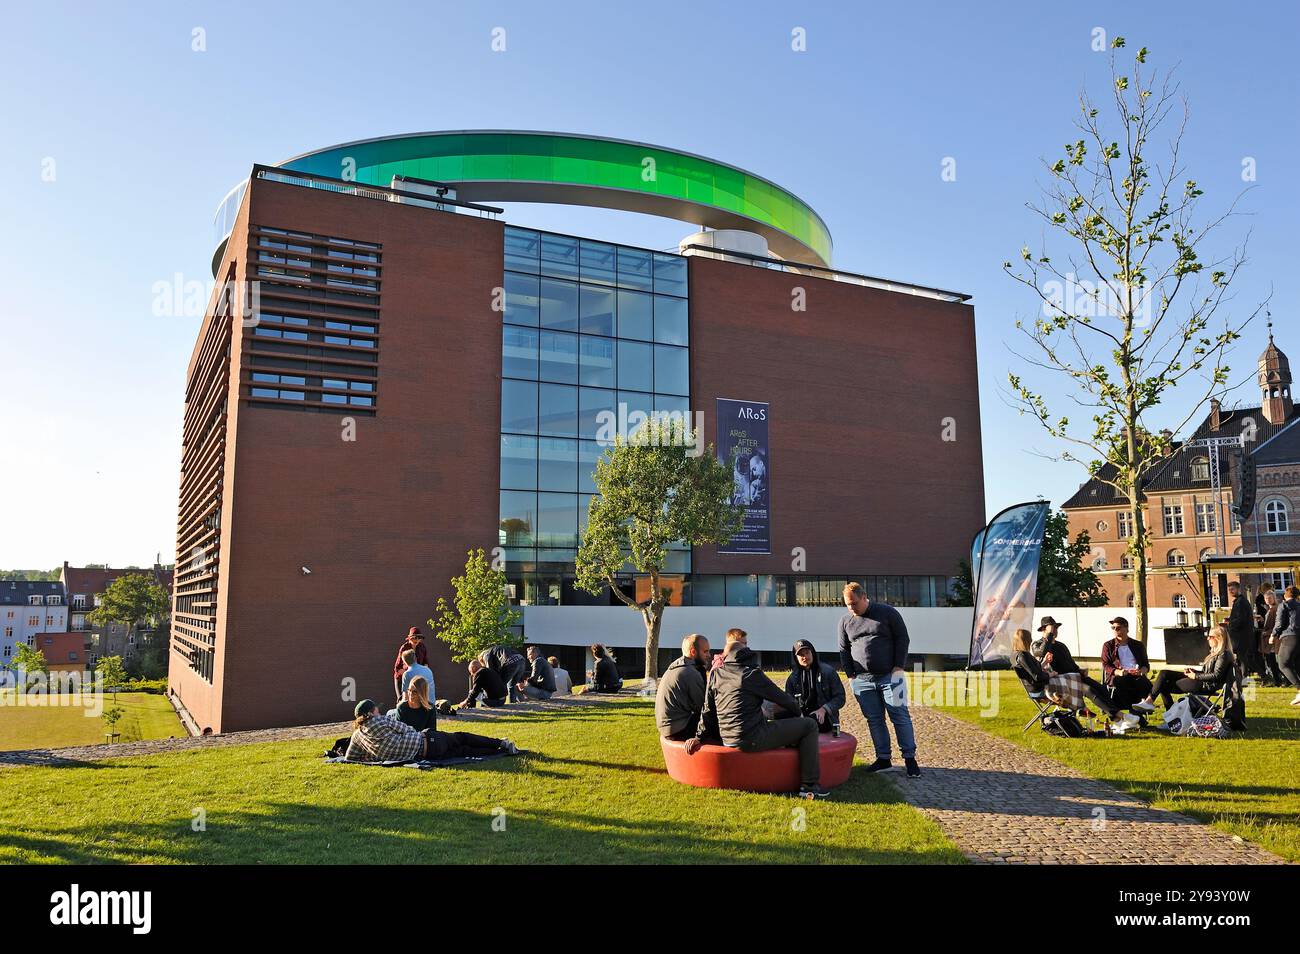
(913, 770)
(813, 791)
(879, 765)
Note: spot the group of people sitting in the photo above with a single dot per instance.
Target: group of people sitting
(498, 675)
(1126, 693)
(722, 700)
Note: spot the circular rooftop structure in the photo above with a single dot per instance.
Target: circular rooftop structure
(567, 169)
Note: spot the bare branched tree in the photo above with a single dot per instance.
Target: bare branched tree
(1131, 311)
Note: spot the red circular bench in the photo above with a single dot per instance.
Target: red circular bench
(776, 770)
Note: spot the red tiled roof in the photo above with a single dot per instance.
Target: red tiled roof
(87, 581)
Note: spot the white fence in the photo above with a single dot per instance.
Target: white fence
(940, 631)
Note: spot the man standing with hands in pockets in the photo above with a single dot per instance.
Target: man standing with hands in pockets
(873, 652)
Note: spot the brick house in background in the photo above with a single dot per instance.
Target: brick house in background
(63, 652)
(1182, 512)
(85, 586)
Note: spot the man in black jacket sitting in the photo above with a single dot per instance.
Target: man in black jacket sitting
(734, 697)
(816, 685)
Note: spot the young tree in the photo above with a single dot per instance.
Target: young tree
(112, 672)
(654, 488)
(481, 614)
(963, 587)
(1132, 311)
(111, 716)
(1065, 575)
(132, 600)
(28, 659)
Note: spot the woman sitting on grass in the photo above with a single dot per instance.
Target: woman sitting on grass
(1216, 670)
(381, 738)
(415, 709)
(1066, 689)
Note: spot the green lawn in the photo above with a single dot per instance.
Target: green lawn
(593, 791)
(1248, 785)
(145, 716)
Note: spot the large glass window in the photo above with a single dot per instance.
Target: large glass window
(742, 590)
(587, 325)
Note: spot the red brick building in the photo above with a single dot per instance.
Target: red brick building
(381, 413)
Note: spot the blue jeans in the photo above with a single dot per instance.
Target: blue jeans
(869, 691)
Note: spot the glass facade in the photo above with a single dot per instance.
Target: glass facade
(592, 333)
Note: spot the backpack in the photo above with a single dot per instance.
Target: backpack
(1063, 724)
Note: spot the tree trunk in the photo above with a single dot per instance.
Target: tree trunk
(654, 618)
(1139, 567)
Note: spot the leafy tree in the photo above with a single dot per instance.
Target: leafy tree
(111, 716)
(132, 600)
(1065, 574)
(112, 672)
(480, 615)
(653, 491)
(28, 659)
(1131, 311)
(148, 662)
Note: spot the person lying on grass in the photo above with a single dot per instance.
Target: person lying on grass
(381, 738)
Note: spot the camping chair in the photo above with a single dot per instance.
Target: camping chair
(1044, 705)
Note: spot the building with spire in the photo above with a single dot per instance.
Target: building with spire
(1186, 519)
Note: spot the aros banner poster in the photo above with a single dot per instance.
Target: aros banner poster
(1004, 573)
(742, 444)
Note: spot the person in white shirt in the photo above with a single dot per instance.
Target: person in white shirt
(563, 684)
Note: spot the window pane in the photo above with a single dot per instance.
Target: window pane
(521, 299)
(519, 352)
(634, 368)
(559, 357)
(771, 590)
(680, 406)
(598, 262)
(584, 505)
(522, 248)
(559, 256)
(559, 305)
(672, 370)
(637, 404)
(635, 315)
(708, 591)
(519, 406)
(557, 520)
(518, 462)
(591, 403)
(634, 269)
(588, 453)
(597, 315)
(670, 275)
(518, 518)
(670, 320)
(596, 361)
(742, 591)
(557, 410)
(557, 464)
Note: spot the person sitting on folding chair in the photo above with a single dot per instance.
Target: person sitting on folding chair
(1065, 689)
(1214, 674)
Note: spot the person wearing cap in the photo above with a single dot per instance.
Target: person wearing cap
(1125, 666)
(414, 640)
(380, 738)
(816, 685)
(1056, 656)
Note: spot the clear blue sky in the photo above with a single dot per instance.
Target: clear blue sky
(147, 136)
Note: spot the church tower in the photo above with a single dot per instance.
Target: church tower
(1275, 382)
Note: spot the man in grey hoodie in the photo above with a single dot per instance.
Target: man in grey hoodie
(680, 695)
